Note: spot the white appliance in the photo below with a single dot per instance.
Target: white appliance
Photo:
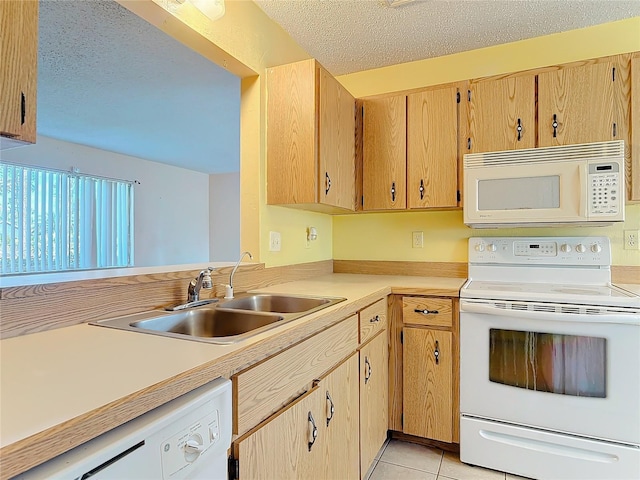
(186, 438)
(549, 361)
(572, 184)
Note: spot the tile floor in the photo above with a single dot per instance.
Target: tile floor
(408, 461)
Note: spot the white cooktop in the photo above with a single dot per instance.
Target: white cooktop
(569, 270)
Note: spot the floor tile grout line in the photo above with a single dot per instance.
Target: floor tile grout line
(405, 466)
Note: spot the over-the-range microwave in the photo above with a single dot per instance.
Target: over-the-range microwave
(570, 184)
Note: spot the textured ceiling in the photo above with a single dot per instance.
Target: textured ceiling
(353, 35)
(110, 80)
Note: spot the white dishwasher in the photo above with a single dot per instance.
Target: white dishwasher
(186, 438)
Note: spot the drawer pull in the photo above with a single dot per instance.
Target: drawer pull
(436, 353)
(313, 431)
(427, 312)
(330, 408)
(374, 319)
(367, 370)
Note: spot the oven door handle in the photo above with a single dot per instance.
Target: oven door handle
(631, 318)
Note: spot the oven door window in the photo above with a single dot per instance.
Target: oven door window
(548, 362)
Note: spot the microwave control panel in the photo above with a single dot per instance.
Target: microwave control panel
(605, 189)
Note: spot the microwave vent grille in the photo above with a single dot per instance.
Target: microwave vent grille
(565, 153)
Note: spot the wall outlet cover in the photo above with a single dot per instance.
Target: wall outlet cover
(417, 239)
(275, 241)
(631, 240)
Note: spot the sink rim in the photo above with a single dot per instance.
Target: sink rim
(127, 322)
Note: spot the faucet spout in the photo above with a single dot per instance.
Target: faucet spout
(203, 280)
(229, 292)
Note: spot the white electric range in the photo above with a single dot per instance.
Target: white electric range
(549, 360)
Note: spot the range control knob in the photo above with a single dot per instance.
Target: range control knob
(596, 248)
(580, 248)
(479, 247)
(193, 448)
(565, 247)
(491, 247)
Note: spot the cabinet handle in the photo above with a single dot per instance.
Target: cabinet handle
(554, 124)
(436, 353)
(519, 129)
(421, 189)
(393, 191)
(330, 408)
(374, 319)
(327, 183)
(615, 129)
(427, 312)
(367, 370)
(23, 108)
(313, 431)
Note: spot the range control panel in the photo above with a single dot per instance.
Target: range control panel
(564, 251)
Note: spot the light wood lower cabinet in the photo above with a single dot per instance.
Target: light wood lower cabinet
(316, 437)
(374, 398)
(427, 378)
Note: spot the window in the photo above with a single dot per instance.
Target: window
(53, 220)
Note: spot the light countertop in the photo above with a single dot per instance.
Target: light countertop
(73, 383)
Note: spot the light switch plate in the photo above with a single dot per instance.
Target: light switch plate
(275, 241)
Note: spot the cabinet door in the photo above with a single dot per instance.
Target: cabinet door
(292, 169)
(497, 108)
(384, 162)
(19, 52)
(280, 449)
(336, 139)
(633, 176)
(589, 103)
(374, 395)
(432, 148)
(427, 384)
(341, 421)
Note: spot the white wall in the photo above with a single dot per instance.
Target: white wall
(171, 213)
(224, 207)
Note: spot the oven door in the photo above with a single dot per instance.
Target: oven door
(576, 373)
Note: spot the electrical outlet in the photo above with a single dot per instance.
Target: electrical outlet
(631, 241)
(418, 239)
(275, 240)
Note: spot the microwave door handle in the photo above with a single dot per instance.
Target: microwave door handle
(584, 189)
(631, 318)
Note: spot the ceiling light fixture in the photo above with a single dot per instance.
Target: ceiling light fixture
(214, 9)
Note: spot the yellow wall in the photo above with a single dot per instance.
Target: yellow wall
(387, 236)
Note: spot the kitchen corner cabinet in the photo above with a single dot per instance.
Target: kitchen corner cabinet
(315, 437)
(585, 103)
(18, 71)
(310, 139)
(501, 113)
(384, 153)
(425, 366)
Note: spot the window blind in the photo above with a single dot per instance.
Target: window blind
(53, 220)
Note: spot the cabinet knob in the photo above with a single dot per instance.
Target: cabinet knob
(427, 312)
(327, 183)
(374, 319)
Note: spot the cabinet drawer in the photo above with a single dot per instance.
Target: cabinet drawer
(431, 311)
(266, 387)
(373, 319)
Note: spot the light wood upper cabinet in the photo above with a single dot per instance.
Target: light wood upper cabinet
(633, 173)
(428, 383)
(432, 148)
(586, 103)
(384, 162)
(374, 399)
(18, 71)
(502, 113)
(310, 139)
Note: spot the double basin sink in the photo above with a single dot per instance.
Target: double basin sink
(228, 321)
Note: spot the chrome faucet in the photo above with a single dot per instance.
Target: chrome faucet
(203, 280)
(229, 288)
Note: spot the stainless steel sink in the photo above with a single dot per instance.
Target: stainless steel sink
(264, 302)
(221, 324)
